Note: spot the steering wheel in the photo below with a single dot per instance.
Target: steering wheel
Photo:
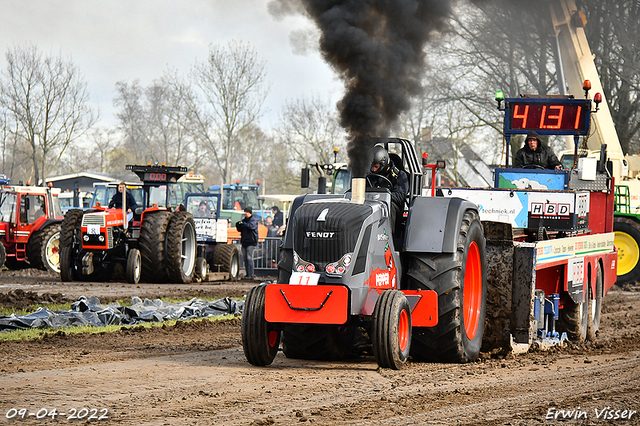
(533, 166)
(386, 183)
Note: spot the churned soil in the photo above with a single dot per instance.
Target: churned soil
(195, 373)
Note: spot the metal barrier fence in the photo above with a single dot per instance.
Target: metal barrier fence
(265, 255)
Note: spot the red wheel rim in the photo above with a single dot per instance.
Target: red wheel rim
(273, 338)
(472, 294)
(403, 330)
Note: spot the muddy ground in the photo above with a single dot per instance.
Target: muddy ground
(195, 373)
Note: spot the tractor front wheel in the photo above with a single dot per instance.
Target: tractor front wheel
(134, 266)
(66, 264)
(260, 340)
(391, 330)
(227, 257)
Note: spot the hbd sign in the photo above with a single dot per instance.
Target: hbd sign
(550, 209)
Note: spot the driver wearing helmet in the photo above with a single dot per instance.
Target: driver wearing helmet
(535, 154)
(382, 166)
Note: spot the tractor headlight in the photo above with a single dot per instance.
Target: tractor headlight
(101, 238)
(86, 238)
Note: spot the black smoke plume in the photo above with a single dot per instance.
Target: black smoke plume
(377, 48)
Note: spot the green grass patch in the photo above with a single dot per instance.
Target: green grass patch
(36, 333)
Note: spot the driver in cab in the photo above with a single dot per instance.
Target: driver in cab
(383, 169)
(535, 154)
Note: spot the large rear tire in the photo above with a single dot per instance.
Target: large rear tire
(181, 248)
(391, 330)
(43, 249)
(595, 307)
(460, 279)
(151, 244)
(70, 240)
(260, 340)
(627, 240)
(227, 258)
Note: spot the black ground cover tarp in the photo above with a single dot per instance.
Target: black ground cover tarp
(89, 311)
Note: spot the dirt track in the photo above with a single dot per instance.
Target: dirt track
(195, 373)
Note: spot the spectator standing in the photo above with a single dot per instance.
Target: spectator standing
(248, 228)
(278, 217)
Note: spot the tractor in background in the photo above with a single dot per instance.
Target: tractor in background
(30, 220)
(156, 243)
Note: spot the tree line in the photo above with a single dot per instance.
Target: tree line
(208, 119)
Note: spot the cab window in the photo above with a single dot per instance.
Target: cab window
(31, 207)
(8, 207)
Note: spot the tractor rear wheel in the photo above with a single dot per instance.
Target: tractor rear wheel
(70, 234)
(328, 343)
(70, 228)
(181, 248)
(227, 257)
(260, 340)
(134, 266)
(151, 244)
(391, 330)
(627, 239)
(595, 307)
(43, 249)
(460, 279)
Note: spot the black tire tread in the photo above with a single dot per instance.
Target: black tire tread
(443, 274)
(255, 329)
(173, 246)
(36, 247)
(151, 244)
(223, 255)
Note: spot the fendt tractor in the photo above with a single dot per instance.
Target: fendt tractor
(155, 243)
(30, 227)
(350, 281)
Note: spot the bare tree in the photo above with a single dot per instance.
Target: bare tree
(129, 100)
(613, 34)
(232, 82)
(46, 99)
(309, 128)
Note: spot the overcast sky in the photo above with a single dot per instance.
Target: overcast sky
(124, 40)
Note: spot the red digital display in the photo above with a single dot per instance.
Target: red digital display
(155, 177)
(548, 116)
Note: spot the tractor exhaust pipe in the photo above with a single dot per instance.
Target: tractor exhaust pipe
(357, 188)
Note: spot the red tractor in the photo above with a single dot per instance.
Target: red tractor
(30, 227)
(155, 243)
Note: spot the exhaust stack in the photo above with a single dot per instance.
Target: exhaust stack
(357, 188)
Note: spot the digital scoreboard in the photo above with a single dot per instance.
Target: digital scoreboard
(548, 116)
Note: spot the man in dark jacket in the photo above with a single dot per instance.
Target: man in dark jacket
(383, 166)
(116, 200)
(535, 153)
(248, 228)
